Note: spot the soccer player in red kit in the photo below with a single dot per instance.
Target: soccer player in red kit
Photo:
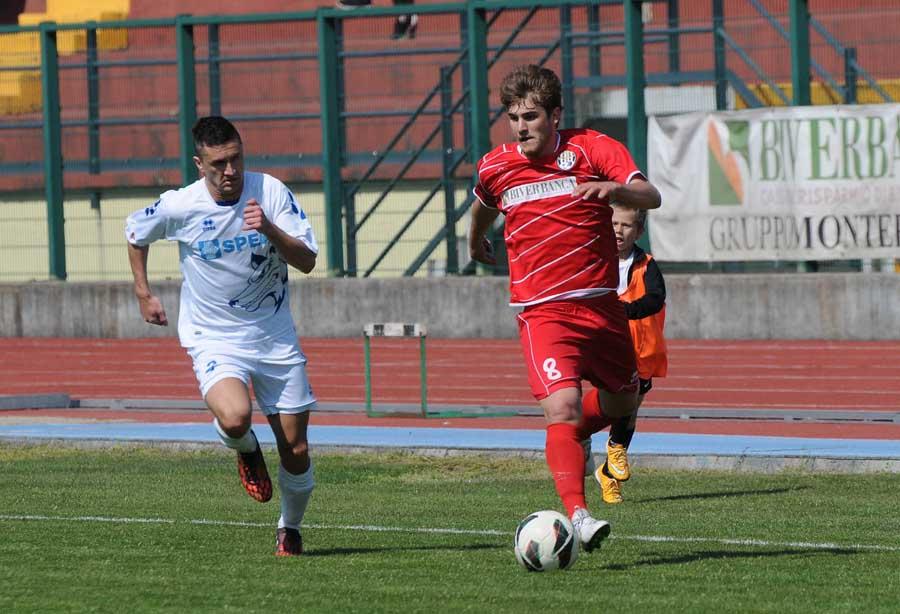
(555, 188)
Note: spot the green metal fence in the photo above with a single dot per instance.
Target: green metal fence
(377, 137)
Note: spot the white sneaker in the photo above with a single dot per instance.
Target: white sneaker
(589, 466)
(591, 531)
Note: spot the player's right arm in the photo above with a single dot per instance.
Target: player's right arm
(151, 307)
(483, 216)
(141, 229)
(480, 248)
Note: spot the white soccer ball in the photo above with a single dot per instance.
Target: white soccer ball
(546, 541)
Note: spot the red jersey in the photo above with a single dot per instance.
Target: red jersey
(559, 246)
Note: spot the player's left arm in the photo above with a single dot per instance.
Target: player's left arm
(623, 184)
(294, 251)
(655, 298)
(637, 193)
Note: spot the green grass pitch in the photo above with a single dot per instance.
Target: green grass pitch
(161, 530)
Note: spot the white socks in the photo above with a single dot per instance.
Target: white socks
(244, 444)
(295, 489)
(295, 492)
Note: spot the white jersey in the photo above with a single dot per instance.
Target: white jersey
(235, 282)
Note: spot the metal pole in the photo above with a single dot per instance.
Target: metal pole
(636, 82)
(850, 76)
(332, 183)
(674, 37)
(187, 97)
(367, 356)
(478, 82)
(467, 102)
(593, 19)
(718, 10)
(215, 77)
(565, 52)
(350, 230)
(93, 95)
(423, 376)
(53, 160)
(341, 90)
(452, 266)
(799, 10)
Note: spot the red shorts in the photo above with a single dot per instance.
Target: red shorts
(567, 341)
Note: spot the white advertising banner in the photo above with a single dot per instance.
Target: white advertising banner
(793, 183)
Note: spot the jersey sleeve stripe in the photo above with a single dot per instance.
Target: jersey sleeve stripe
(475, 193)
(634, 174)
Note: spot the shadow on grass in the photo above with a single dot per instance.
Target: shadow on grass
(715, 555)
(346, 551)
(720, 494)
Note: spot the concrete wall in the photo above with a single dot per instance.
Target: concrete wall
(801, 306)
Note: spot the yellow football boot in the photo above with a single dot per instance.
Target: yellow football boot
(617, 461)
(609, 487)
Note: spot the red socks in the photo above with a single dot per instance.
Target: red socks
(565, 458)
(593, 420)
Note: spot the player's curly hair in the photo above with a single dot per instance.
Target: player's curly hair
(212, 131)
(542, 83)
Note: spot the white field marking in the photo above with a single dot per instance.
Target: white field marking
(449, 531)
(88, 519)
(761, 543)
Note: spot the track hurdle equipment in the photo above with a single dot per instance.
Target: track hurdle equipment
(394, 329)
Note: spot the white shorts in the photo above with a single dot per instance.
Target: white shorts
(277, 369)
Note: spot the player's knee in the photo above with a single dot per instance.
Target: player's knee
(563, 412)
(295, 456)
(563, 405)
(619, 405)
(234, 424)
(297, 450)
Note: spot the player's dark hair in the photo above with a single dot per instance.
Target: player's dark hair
(213, 131)
(640, 218)
(540, 82)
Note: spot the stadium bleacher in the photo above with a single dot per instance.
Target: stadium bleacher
(20, 90)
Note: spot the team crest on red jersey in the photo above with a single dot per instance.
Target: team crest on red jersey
(566, 160)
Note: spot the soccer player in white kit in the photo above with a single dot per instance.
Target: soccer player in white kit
(237, 232)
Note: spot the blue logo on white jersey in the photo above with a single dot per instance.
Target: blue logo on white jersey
(241, 242)
(151, 210)
(267, 283)
(212, 249)
(294, 208)
(208, 224)
(209, 250)
(211, 365)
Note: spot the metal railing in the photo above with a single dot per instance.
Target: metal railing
(304, 121)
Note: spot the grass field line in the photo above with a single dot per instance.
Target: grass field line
(450, 531)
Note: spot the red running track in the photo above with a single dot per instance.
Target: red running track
(812, 375)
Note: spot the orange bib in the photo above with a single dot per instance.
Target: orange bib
(646, 333)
